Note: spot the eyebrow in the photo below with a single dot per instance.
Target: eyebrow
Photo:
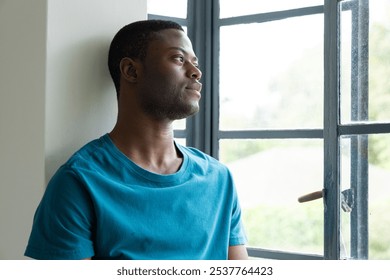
(195, 59)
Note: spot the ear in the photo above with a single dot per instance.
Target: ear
(129, 69)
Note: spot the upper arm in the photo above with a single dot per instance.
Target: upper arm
(63, 222)
(238, 252)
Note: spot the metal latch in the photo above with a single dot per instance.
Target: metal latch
(311, 196)
(347, 198)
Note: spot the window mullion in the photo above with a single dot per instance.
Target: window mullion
(331, 137)
(200, 33)
(359, 144)
(214, 105)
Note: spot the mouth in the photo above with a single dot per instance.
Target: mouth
(195, 86)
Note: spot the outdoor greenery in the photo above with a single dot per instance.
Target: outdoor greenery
(286, 228)
(301, 230)
(379, 86)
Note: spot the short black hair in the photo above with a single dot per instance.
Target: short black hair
(132, 41)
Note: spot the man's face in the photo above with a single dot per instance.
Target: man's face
(169, 85)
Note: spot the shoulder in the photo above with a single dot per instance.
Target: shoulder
(195, 154)
(88, 158)
(88, 152)
(205, 162)
(92, 156)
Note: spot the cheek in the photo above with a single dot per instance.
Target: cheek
(170, 82)
(164, 78)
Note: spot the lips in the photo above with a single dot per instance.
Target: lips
(195, 86)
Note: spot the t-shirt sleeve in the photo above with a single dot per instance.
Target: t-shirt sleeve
(237, 232)
(63, 221)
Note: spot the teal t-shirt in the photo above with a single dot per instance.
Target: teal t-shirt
(102, 205)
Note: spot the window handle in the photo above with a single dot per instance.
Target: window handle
(311, 196)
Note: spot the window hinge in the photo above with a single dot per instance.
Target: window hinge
(347, 200)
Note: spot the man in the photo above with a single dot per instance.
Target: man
(134, 193)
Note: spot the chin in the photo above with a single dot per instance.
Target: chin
(194, 110)
(183, 115)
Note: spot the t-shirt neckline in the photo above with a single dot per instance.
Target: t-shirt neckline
(176, 177)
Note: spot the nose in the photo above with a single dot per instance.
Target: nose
(194, 72)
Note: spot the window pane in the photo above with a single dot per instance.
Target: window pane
(271, 74)
(232, 8)
(270, 175)
(379, 70)
(180, 124)
(181, 141)
(378, 176)
(378, 96)
(170, 8)
(345, 66)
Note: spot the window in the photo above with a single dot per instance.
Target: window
(295, 101)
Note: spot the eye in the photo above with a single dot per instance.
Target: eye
(179, 58)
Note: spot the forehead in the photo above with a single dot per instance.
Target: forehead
(169, 39)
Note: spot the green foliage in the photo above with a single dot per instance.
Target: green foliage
(379, 228)
(297, 229)
(379, 90)
(300, 229)
(231, 151)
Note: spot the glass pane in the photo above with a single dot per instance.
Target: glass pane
(345, 66)
(181, 141)
(375, 102)
(170, 8)
(379, 70)
(270, 175)
(271, 74)
(378, 178)
(180, 124)
(232, 8)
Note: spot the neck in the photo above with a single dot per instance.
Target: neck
(148, 143)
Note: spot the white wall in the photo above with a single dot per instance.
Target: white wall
(55, 95)
(22, 91)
